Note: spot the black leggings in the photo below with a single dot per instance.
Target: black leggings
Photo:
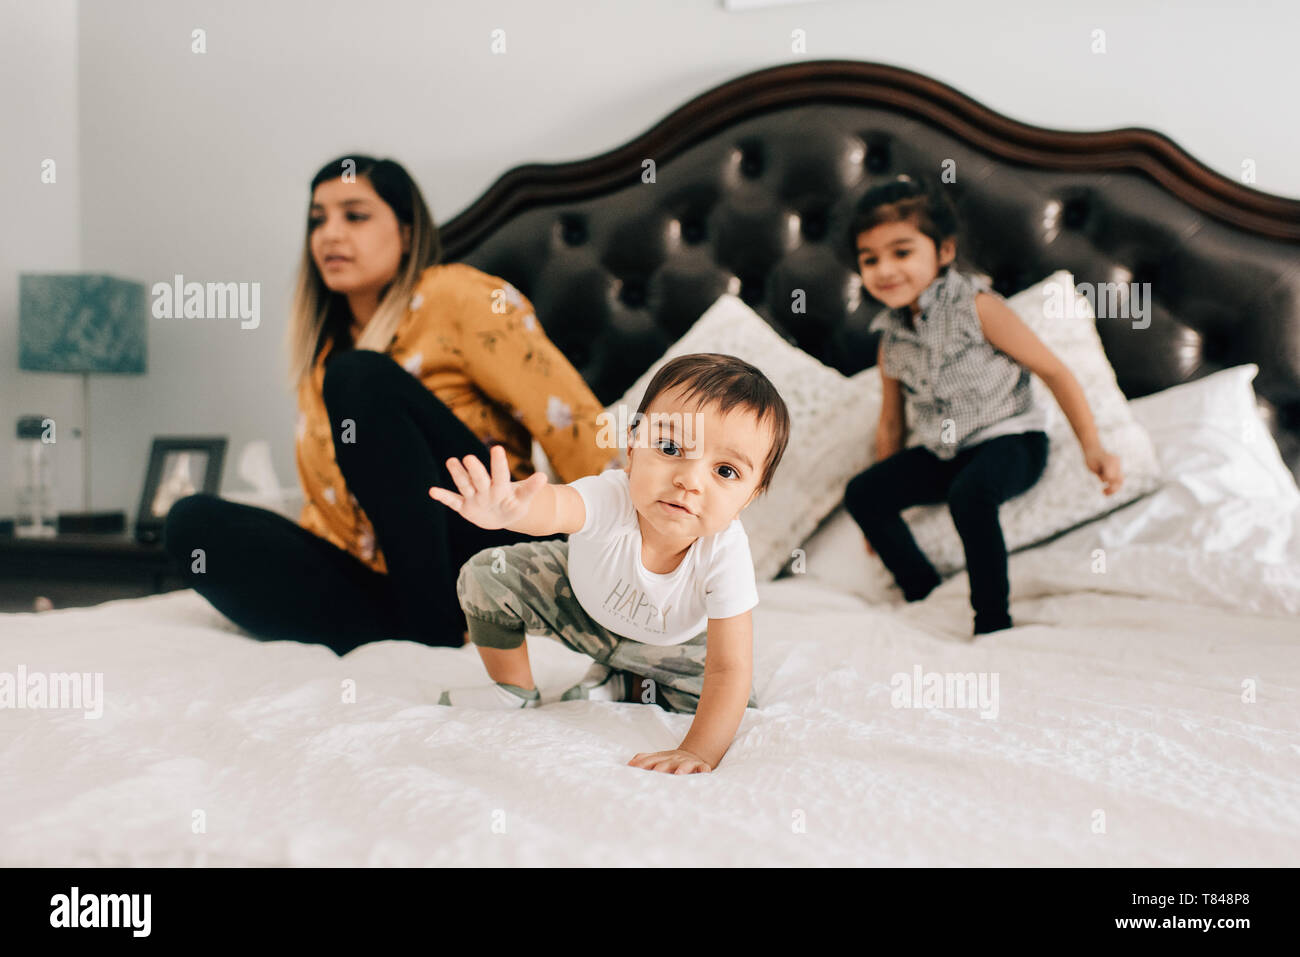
(973, 483)
(278, 580)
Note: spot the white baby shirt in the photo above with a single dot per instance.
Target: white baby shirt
(714, 580)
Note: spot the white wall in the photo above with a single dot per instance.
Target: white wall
(198, 164)
(41, 221)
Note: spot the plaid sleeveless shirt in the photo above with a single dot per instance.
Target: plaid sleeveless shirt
(955, 383)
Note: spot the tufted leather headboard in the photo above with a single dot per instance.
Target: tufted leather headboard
(753, 183)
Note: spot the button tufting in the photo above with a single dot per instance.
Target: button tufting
(632, 292)
(1075, 213)
(878, 158)
(573, 229)
(813, 224)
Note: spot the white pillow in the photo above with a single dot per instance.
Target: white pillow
(832, 426)
(1066, 495)
(1210, 428)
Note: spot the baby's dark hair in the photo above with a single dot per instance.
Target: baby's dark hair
(905, 199)
(729, 382)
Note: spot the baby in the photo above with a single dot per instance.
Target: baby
(655, 579)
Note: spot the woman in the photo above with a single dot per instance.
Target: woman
(399, 363)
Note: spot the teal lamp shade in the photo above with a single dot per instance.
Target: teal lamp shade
(81, 322)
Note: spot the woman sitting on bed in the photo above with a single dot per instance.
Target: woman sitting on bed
(960, 360)
(400, 363)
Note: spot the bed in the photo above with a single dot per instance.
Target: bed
(1144, 718)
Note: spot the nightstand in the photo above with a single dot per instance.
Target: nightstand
(74, 571)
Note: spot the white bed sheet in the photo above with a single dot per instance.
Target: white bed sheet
(1120, 695)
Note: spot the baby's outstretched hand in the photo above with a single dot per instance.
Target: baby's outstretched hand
(489, 501)
(1106, 467)
(672, 762)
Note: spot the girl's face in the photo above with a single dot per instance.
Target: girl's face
(897, 261)
(356, 240)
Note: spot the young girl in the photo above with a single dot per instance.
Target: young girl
(960, 360)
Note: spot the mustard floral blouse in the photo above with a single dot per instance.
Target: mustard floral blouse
(474, 341)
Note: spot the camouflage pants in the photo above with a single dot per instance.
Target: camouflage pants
(513, 589)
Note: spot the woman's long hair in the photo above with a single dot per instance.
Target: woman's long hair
(318, 312)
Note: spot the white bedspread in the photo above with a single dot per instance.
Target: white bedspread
(1121, 736)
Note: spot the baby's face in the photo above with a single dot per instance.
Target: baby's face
(897, 261)
(704, 462)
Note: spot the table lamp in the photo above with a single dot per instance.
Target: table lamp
(84, 323)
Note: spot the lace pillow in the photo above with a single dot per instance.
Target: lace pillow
(1066, 495)
(832, 426)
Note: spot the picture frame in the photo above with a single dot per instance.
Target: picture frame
(178, 466)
